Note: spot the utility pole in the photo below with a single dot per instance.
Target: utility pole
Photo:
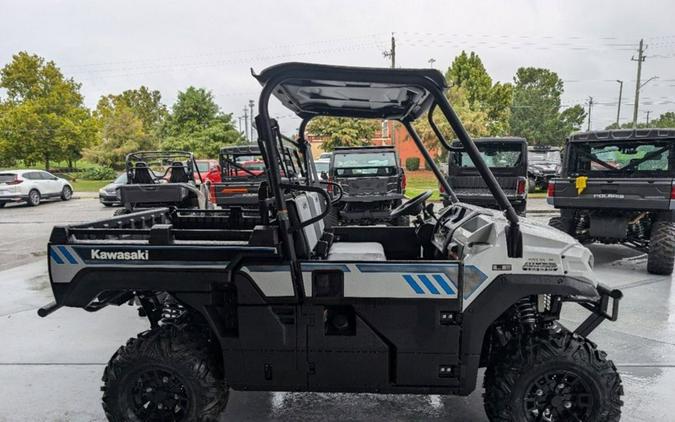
(640, 58)
(648, 112)
(250, 106)
(618, 108)
(590, 108)
(392, 52)
(246, 122)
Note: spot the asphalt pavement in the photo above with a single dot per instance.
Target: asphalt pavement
(50, 369)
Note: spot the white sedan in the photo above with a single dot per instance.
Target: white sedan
(32, 186)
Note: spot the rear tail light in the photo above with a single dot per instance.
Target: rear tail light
(441, 188)
(550, 190)
(329, 187)
(16, 181)
(522, 185)
(404, 181)
(672, 192)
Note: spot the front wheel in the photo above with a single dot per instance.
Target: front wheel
(166, 374)
(34, 198)
(554, 377)
(66, 193)
(661, 255)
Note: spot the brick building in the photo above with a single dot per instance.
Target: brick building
(390, 133)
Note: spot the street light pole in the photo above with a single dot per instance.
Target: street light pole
(618, 108)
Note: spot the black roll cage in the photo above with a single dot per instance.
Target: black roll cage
(187, 156)
(273, 80)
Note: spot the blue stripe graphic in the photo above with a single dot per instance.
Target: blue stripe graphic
(55, 256)
(429, 284)
(441, 282)
(413, 284)
(67, 254)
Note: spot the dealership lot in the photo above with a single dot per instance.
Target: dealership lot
(51, 367)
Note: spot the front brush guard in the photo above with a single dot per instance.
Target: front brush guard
(599, 309)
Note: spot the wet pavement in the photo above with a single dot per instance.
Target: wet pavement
(50, 369)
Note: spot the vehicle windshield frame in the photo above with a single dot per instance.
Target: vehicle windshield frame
(578, 155)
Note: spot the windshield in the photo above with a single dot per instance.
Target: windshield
(365, 163)
(647, 158)
(203, 166)
(322, 166)
(121, 179)
(495, 156)
(547, 156)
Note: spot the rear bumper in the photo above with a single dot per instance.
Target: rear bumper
(13, 197)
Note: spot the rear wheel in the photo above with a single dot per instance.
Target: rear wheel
(34, 198)
(121, 211)
(66, 193)
(561, 224)
(554, 377)
(2, 204)
(166, 374)
(661, 255)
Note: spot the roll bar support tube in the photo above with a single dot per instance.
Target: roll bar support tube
(430, 161)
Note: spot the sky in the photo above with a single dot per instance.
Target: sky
(111, 46)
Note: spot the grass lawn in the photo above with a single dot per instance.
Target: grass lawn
(423, 180)
(89, 185)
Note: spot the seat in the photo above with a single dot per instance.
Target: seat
(178, 173)
(142, 174)
(356, 251)
(308, 205)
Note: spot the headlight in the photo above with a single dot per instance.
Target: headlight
(101, 191)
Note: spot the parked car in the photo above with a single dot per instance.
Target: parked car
(373, 184)
(543, 164)
(207, 169)
(32, 186)
(325, 155)
(109, 195)
(619, 187)
(506, 157)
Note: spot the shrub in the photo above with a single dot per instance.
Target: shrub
(98, 173)
(412, 163)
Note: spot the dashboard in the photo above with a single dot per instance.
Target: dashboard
(460, 226)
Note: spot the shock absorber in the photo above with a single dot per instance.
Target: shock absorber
(526, 312)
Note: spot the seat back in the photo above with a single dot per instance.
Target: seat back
(301, 208)
(178, 173)
(142, 174)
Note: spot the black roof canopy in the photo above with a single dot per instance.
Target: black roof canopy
(623, 135)
(313, 90)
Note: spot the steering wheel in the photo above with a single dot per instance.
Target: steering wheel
(411, 206)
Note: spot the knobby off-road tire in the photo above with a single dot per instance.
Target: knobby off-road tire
(561, 372)
(121, 211)
(661, 255)
(167, 374)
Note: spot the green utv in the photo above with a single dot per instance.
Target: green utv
(292, 305)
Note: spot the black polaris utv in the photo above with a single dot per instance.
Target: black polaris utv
(618, 187)
(161, 179)
(507, 159)
(543, 165)
(373, 184)
(291, 305)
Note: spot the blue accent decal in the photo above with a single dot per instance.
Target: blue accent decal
(445, 286)
(429, 285)
(55, 256)
(413, 284)
(67, 254)
(391, 267)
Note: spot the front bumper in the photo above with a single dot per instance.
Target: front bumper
(605, 307)
(108, 198)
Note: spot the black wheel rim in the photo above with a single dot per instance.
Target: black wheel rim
(159, 395)
(558, 396)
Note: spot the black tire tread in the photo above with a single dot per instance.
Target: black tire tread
(661, 257)
(174, 345)
(560, 224)
(503, 375)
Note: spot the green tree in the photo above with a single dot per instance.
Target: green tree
(121, 132)
(474, 121)
(482, 95)
(146, 105)
(196, 124)
(665, 120)
(43, 117)
(535, 113)
(342, 131)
